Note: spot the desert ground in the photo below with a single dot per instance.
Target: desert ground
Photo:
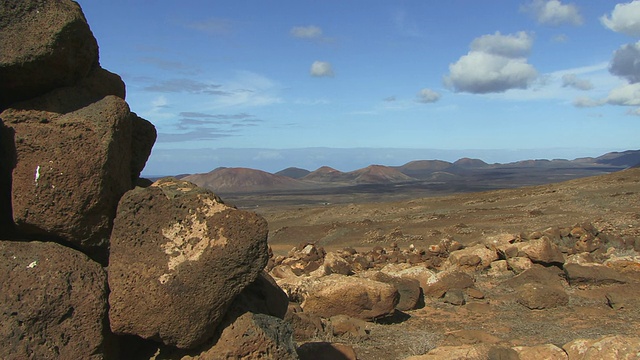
(611, 203)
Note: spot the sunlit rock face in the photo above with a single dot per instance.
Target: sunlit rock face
(179, 256)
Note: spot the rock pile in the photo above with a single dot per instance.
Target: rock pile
(539, 270)
(91, 266)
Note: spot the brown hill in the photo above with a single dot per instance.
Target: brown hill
(422, 168)
(378, 174)
(243, 179)
(327, 174)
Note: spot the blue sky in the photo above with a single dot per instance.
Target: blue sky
(258, 83)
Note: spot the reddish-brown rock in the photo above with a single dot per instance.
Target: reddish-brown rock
(179, 257)
(408, 288)
(52, 302)
(45, 45)
(347, 295)
(71, 171)
(326, 351)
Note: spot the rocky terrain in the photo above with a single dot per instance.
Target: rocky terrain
(97, 263)
(548, 271)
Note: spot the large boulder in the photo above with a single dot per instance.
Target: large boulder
(347, 295)
(45, 45)
(408, 288)
(71, 170)
(179, 256)
(52, 302)
(541, 251)
(594, 274)
(609, 347)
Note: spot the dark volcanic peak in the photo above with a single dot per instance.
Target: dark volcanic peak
(243, 179)
(378, 174)
(424, 165)
(293, 172)
(629, 158)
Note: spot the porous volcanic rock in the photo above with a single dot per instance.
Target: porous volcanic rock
(179, 256)
(326, 351)
(347, 295)
(52, 302)
(45, 45)
(263, 296)
(249, 336)
(71, 171)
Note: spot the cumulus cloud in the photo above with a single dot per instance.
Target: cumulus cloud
(321, 69)
(571, 80)
(428, 96)
(496, 63)
(510, 46)
(626, 62)
(626, 95)
(306, 32)
(554, 12)
(625, 18)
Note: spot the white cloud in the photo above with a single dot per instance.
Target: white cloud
(554, 12)
(510, 46)
(428, 96)
(306, 32)
(321, 69)
(571, 80)
(481, 72)
(626, 95)
(626, 62)
(625, 18)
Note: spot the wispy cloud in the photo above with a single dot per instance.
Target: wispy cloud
(212, 26)
(309, 32)
(170, 65)
(572, 80)
(200, 134)
(188, 86)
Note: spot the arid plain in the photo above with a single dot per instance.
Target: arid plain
(422, 217)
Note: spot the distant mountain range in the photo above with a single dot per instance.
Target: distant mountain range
(240, 180)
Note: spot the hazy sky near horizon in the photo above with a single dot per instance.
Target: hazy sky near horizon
(501, 77)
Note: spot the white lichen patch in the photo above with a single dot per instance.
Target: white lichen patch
(188, 240)
(33, 264)
(37, 175)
